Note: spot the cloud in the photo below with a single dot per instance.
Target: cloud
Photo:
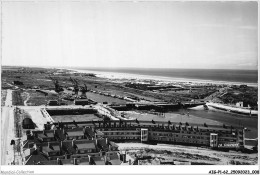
(211, 25)
(248, 27)
(247, 64)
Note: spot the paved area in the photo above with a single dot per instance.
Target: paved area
(38, 118)
(7, 124)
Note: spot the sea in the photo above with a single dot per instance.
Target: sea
(249, 77)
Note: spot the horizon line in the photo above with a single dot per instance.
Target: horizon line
(123, 67)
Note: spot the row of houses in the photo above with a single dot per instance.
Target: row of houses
(74, 146)
(92, 142)
(215, 136)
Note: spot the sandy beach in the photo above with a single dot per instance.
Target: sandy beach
(116, 75)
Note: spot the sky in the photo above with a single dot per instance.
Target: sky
(210, 35)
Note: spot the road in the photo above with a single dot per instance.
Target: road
(16, 87)
(27, 98)
(7, 123)
(214, 97)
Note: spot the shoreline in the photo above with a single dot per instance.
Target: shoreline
(117, 75)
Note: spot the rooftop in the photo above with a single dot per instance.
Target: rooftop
(34, 159)
(98, 160)
(75, 133)
(147, 123)
(85, 144)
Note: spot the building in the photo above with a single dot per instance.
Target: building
(144, 135)
(28, 123)
(81, 102)
(240, 104)
(93, 142)
(53, 103)
(77, 146)
(17, 83)
(215, 136)
(243, 105)
(243, 86)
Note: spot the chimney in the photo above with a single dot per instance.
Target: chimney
(84, 130)
(60, 152)
(31, 133)
(29, 136)
(106, 141)
(58, 161)
(124, 158)
(105, 158)
(65, 155)
(40, 148)
(73, 143)
(89, 158)
(32, 150)
(96, 142)
(74, 161)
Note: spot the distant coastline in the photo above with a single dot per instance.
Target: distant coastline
(235, 77)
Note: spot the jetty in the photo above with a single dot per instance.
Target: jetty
(233, 109)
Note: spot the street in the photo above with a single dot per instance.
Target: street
(7, 122)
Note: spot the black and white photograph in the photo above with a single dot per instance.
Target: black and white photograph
(148, 83)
